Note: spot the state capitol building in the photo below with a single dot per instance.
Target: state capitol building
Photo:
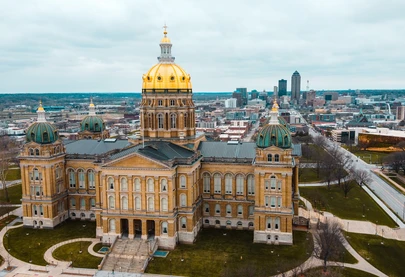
(168, 184)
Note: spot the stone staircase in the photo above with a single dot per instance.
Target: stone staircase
(127, 255)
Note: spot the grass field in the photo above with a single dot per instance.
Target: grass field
(31, 244)
(70, 252)
(309, 175)
(14, 193)
(352, 207)
(13, 174)
(388, 257)
(215, 254)
(338, 271)
(372, 157)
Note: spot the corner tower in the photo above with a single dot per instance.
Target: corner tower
(93, 126)
(42, 163)
(167, 108)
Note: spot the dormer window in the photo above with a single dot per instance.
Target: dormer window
(45, 136)
(86, 126)
(269, 157)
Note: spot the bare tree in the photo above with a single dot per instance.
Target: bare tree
(361, 176)
(6, 155)
(343, 165)
(328, 241)
(348, 184)
(328, 168)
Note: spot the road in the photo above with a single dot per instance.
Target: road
(394, 199)
(252, 132)
(11, 183)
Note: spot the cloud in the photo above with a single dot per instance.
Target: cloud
(108, 45)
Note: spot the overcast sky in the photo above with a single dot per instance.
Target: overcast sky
(101, 46)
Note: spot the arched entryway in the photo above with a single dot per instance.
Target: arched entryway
(124, 227)
(151, 228)
(138, 228)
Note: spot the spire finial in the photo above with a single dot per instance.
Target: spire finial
(91, 102)
(40, 108)
(275, 105)
(41, 113)
(165, 29)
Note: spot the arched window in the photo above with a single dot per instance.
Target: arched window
(82, 184)
(217, 183)
(185, 120)
(206, 208)
(239, 184)
(286, 141)
(92, 202)
(240, 210)
(34, 210)
(251, 210)
(267, 201)
(239, 224)
(228, 183)
(272, 201)
(124, 203)
(31, 152)
(164, 227)
(72, 178)
(41, 210)
(73, 202)
(251, 184)
(137, 203)
(110, 183)
(206, 182)
(163, 204)
(151, 185)
(151, 204)
(183, 222)
(124, 184)
(137, 184)
(277, 223)
(251, 224)
(228, 223)
(183, 200)
(90, 179)
(37, 152)
(228, 209)
(111, 202)
(82, 203)
(269, 157)
(217, 209)
(279, 202)
(268, 223)
(45, 136)
(277, 158)
(112, 225)
(217, 222)
(173, 118)
(182, 181)
(82, 215)
(207, 221)
(96, 127)
(160, 121)
(149, 120)
(36, 174)
(273, 182)
(163, 185)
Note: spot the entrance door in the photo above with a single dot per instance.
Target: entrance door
(151, 228)
(138, 228)
(124, 227)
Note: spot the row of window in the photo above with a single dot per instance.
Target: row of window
(171, 124)
(81, 176)
(228, 223)
(150, 203)
(228, 209)
(164, 225)
(82, 203)
(276, 158)
(36, 152)
(150, 184)
(240, 183)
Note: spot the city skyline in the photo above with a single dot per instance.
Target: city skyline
(106, 46)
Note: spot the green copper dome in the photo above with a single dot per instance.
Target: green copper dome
(92, 123)
(274, 134)
(283, 122)
(42, 132)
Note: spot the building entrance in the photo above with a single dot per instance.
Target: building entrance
(138, 228)
(151, 228)
(124, 227)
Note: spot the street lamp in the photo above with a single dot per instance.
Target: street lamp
(363, 210)
(376, 225)
(368, 250)
(80, 251)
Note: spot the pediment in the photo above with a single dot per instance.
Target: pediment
(138, 161)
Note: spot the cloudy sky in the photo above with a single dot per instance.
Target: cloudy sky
(101, 46)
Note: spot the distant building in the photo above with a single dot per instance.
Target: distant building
(282, 87)
(244, 94)
(400, 113)
(230, 103)
(331, 96)
(322, 117)
(310, 97)
(275, 91)
(254, 94)
(295, 87)
(343, 136)
(238, 96)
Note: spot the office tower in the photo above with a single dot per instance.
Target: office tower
(282, 87)
(254, 94)
(295, 86)
(275, 91)
(401, 113)
(244, 94)
(238, 96)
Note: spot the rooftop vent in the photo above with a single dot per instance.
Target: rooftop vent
(110, 140)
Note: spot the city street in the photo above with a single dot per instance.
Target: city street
(394, 199)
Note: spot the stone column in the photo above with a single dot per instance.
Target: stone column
(144, 229)
(131, 232)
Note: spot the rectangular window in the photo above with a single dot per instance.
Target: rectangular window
(207, 184)
(267, 200)
(273, 183)
(273, 202)
(279, 202)
(279, 185)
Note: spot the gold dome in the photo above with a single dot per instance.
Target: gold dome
(166, 76)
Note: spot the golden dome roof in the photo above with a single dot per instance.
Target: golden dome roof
(166, 76)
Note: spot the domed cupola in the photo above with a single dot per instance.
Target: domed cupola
(42, 131)
(93, 126)
(274, 133)
(92, 122)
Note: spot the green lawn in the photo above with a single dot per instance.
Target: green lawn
(309, 175)
(13, 174)
(373, 157)
(217, 254)
(33, 246)
(97, 247)
(337, 271)
(14, 193)
(333, 201)
(388, 257)
(70, 252)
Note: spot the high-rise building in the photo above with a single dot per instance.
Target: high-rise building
(310, 97)
(245, 95)
(238, 96)
(401, 113)
(275, 91)
(254, 94)
(230, 103)
(282, 87)
(295, 86)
